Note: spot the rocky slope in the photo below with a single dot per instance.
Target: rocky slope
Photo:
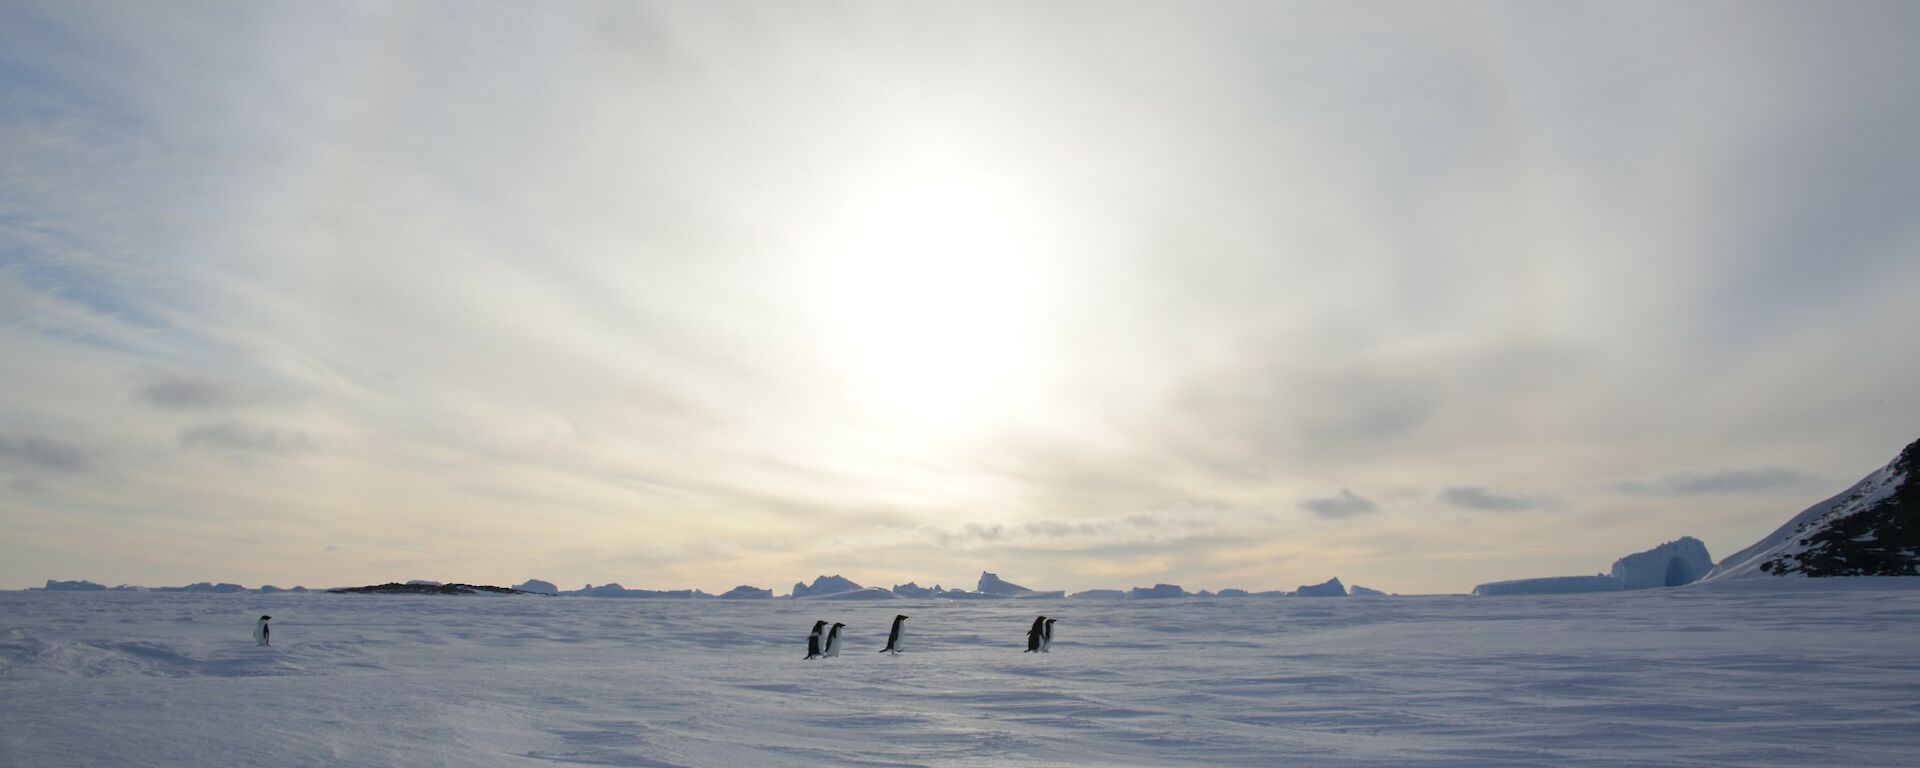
(1870, 529)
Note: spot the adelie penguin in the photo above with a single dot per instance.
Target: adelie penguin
(893, 638)
(833, 640)
(817, 642)
(1046, 636)
(261, 631)
(1036, 637)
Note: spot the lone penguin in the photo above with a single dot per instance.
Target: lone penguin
(833, 640)
(1046, 637)
(1037, 636)
(893, 637)
(261, 631)
(816, 642)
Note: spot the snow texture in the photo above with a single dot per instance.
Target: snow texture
(1776, 672)
(1157, 591)
(1870, 529)
(1360, 591)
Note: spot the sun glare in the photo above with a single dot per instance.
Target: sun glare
(933, 286)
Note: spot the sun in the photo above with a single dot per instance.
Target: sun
(934, 286)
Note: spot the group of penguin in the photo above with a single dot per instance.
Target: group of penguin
(824, 641)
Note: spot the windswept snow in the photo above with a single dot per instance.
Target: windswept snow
(1690, 677)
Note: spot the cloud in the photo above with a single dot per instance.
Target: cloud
(1719, 481)
(1340, 506)
(190, 392)
(1175, 524)
(44, 454)
(243, 437)
(1484, 499)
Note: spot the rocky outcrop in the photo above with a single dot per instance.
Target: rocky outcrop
(744, 592)
(1870, 529)
(536, 585)
(1329, 588)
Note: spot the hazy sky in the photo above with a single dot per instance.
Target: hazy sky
(1088, 294)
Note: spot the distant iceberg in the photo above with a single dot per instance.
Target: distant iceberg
(1675, 563)
(1329, 588)
(825, 585)
(81, 585)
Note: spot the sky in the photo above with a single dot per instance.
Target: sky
(1088, 294)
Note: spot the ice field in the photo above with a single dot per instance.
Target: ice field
(1822, 674)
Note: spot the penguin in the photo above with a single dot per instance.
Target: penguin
(1046, 637)
(893, 637)
(833, 640)
(1037, 634)
(816, 644)
(261, 631)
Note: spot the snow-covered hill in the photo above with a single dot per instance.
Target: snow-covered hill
(1871, 529)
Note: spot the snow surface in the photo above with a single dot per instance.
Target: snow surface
(1823, 673)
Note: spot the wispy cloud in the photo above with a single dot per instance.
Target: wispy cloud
(236, 436)
(191, 392)
(1720, 481)
(1340, 506)
(41, 453)
(1484, 499)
